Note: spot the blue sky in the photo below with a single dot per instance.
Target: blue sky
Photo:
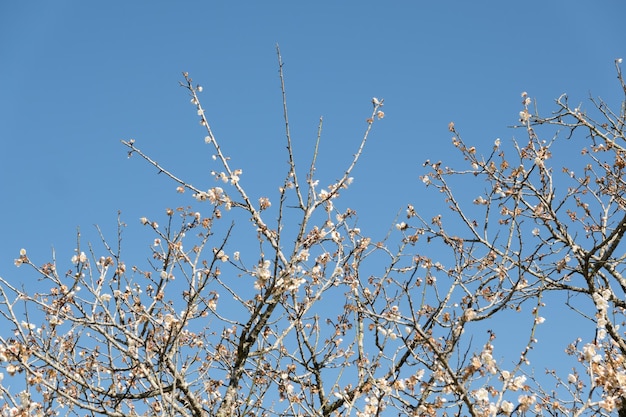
(76, 77)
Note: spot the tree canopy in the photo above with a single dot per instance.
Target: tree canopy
(284, 305)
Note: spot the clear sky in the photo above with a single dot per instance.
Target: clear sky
(76, 77)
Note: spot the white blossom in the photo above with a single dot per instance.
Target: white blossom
(26, 325)
(507, 407)
(82, 258)
(481, 395)
(518, 382)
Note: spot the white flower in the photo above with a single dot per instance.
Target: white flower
(82, 258)
(222, 256)
(469, 314)
(401, 226)
(482, 395)
(486, 357)
(303, 255)
(480, 200)
(601, 302)
(264, 203)
(400, 385)
(518, 382)
(571, 378)
(589, 352)
(526, 400)
(22, 252)
(201, 196)
(619, 60)
(507, 407)
(262, 271)
(338, 272)
(496, 143)
(29, 326)
(12, 369)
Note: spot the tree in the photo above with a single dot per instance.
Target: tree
(323, 320)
